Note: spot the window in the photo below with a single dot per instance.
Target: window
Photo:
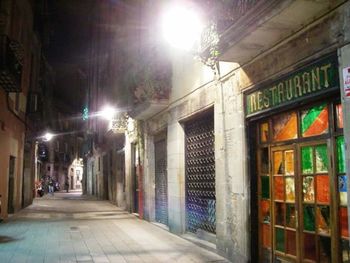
(297, 203)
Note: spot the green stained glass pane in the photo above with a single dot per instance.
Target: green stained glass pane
(265, 187)
(264, 161)
(280, 239)
(290, 215)
(314, 121)
(341, 154)
(321, 158)
(307, 160)
(309, 218)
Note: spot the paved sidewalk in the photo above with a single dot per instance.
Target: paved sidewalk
(72, 228)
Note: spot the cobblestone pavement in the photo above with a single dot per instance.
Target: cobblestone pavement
(72, 228)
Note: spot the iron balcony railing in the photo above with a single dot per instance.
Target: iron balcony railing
(11, 58)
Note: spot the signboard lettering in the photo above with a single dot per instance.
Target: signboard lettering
(310, 80)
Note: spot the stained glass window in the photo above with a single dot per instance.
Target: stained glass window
(314, 121)
(308, 189)
(322, 186)
(324, 243)
(279, 188)
(339, 111)
(265, 187)
(341, 154)
(279, 214)
(323, 219)
(279, 239)
(289, 162)
(290, 216)
(265, 210)
(309, 246)
(306, 186)
(266, 235)
(343, 218)
(307, 160)
(290, 189)
(285, 127)
(321, 158)
(309, 218)
(345, 251)
(264, 132)
(264, 160)
(342, 187)
(291, 242)
(277, 163)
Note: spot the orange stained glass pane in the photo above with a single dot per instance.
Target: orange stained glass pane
(265, 210)
(277, 163)
(285, 127)
(340, 123)
(265, 232)
(289, 162)
(264, 132)
(279, 188)
(314, 121)
(343, 218)
(323, 219)
(322, 189)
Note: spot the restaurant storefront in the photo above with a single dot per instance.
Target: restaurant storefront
(299, 186)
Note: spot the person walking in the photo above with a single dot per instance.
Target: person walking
(66, 184)
(51, 187)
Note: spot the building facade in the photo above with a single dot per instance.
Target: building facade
(247, 150)
(20, 64)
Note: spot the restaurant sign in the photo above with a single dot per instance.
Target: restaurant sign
(308, 81)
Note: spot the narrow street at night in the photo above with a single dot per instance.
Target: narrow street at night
(67, 227)
(175, 131)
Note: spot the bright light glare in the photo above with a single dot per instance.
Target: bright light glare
(181, 27)
(48, 136)
(107, 113)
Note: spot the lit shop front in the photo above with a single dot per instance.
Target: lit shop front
(299, 186)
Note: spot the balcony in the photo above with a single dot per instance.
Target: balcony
(241, 30)
(151, 89)
(11, 58)
(118, 125)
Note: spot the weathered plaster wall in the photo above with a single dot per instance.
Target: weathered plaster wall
(11, 144)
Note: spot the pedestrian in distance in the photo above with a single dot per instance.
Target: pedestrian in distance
(66, 184)
(51, 190)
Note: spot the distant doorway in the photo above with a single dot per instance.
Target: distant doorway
(11, 185)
